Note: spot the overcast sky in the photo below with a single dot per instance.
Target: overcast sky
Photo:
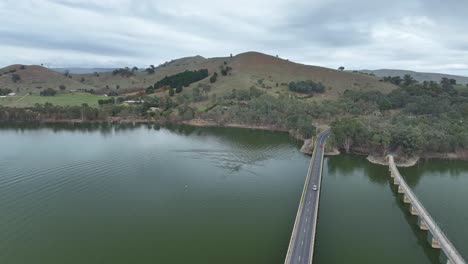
(423, 35)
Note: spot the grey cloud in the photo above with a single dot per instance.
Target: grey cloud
(416, 34)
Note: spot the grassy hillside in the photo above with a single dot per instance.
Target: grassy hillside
(251, 69)
(248, 69)
(61, 99)
(419, 76)
(33, 79)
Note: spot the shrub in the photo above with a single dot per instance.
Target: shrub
(48, 92)
(214, 77)
(15, 78)
(5, 91)
(306, 87)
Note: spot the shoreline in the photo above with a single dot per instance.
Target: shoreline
(403, 164)
(306, 148)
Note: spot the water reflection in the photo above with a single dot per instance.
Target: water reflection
(347, 165)
(432, 254)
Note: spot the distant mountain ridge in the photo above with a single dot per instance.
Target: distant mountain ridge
(82, 70)
(419, 76)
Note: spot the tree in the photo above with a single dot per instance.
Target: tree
(150, 70)
(179, 89)
(341, 68)
(347, 132)
(22, 67)
(214, 77)
(62, 87)
(15, 77)
(447, 83)
(171, 91)
(134, 69)
(408, 80)
(66, 73)
(82, 79)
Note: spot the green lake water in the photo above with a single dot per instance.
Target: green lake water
(123, 194)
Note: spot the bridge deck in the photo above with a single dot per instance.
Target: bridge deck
(452, 254)
(301, 246)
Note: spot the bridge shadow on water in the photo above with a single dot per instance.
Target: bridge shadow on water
(432, 254)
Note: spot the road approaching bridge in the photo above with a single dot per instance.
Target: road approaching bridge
(436, 237)
(301, 245)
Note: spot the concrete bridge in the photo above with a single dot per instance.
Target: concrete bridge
(301, 245)
(436, 237)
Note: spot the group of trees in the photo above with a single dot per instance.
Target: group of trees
(150, 69)
(124, 72)
(225, 69)
(180, 80)
(48, 92)
(48, 111)
(428, 117)
(5, 91)
(306, 87)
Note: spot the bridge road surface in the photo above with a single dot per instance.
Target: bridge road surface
(301, 247)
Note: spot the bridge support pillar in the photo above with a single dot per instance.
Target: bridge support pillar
(413, 211)
(396, 181)
(400, 189)
(406, 199)
(422, 224)
(434, 242)
(391, 174)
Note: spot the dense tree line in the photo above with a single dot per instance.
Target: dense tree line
(255, 107)
(307, 87)
(48, 111)
(179, 80)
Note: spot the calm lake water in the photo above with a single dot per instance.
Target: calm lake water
(204, 195)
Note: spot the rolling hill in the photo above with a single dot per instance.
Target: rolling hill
(419, 76)
(35, 78)
(248, 69)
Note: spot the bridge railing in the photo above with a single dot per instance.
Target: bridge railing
(445, 244)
